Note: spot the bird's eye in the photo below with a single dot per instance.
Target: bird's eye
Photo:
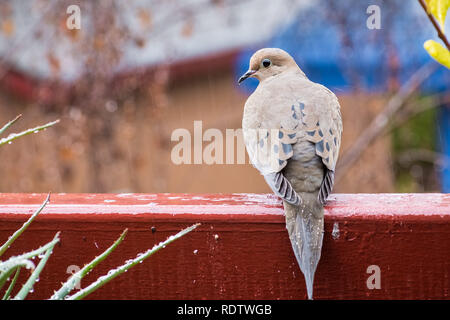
(266, 63)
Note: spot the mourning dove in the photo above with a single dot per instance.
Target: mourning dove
(292, 131)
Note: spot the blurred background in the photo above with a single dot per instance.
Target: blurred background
(137, 70)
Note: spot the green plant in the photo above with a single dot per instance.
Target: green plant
(14, 264)
(14, 136)
(70, 284)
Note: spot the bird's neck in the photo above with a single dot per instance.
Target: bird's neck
(288, 72)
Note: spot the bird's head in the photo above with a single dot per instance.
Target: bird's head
(269, 62)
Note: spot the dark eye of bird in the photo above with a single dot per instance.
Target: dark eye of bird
(266, 63)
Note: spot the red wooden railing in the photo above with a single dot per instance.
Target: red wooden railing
(241, 250)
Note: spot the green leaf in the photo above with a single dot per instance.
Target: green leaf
(11, 285)
(9, 124)
(28, 286)
(16, 234)
(36, 252)
(14, 136)
(438, 52)
(8, 267)
(101, 281)
(70, 284)
(438, 8)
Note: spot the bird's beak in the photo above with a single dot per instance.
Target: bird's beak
(249, 73)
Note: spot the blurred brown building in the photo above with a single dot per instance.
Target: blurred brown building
(119, 138)
(137, 155)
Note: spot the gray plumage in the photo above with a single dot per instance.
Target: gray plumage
(292, 131)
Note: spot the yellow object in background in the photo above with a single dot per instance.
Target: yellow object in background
(438, 8)
(438, 52)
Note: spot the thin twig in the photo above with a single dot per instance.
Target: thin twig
(435, 24)
(414, 155)
(382, 120)
(413, 109)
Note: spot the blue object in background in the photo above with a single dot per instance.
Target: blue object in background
(444, 141)
(315, 39)
(370, 60)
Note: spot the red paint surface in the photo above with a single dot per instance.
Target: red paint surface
(407, 236)
(29, 88)
(18, 83)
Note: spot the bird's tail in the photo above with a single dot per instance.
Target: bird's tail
(305, 227)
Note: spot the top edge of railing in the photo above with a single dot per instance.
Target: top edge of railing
(233, 206)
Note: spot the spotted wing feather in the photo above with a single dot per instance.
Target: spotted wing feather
(324, 129)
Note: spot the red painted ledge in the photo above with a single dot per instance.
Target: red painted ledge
(241, 250)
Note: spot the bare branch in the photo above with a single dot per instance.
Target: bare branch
(382, 120)
(414, 155)
(435, 24)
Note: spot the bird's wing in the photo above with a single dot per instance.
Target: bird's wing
(317, 119)
(269, 151)
(323, 125)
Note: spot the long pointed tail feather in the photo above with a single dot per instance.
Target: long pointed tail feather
(305, 227)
